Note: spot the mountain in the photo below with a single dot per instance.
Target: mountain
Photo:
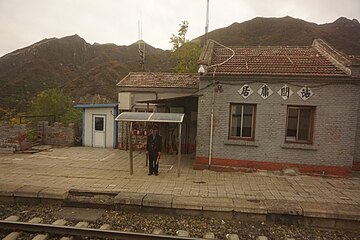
(74, 65)
(85, 70)
(343, 34)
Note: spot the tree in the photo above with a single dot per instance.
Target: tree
(178, 40)
(187, 57)
(185, 52)
(55, 102)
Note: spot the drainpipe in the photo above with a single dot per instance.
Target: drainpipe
(212, 123)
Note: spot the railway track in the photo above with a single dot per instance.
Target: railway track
(22, 222)
(58, 229)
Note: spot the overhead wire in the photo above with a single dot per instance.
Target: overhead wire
(228, 59)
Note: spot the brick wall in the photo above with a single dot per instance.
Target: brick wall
(58, 134)
(355, 71)
(334, 131)
(356, 164)
(13, 136)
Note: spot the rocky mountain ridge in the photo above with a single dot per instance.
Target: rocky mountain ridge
(86, 70)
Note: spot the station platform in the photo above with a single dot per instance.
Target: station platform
(101, 176)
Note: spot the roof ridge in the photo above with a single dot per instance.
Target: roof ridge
(333, 55)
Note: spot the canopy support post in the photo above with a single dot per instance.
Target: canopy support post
(131, 150)
(179, 152)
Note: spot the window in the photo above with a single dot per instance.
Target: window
(99, 123)
(242, 121)
(299, 124)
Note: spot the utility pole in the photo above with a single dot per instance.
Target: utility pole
(207, 21)
(141, 48)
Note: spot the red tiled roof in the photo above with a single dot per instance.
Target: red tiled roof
(160, 80)
(298, 61)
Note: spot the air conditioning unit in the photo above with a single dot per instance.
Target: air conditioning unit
(125, 100)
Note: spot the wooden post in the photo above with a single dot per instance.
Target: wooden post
(131, 150)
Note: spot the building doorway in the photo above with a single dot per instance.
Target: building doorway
(99, 133)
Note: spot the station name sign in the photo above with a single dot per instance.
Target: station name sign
(285, 92)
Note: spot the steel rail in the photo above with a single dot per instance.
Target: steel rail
(84, 232)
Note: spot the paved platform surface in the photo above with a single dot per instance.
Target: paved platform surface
(52, 173)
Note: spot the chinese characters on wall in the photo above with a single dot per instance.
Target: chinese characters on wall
(284, 92)
(265, 91)
(305, 93)
(245, 91)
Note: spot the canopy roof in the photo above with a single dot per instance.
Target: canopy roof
(150, 117)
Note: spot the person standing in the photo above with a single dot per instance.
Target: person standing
(153, 149)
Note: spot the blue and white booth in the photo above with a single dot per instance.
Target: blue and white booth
(99, 125)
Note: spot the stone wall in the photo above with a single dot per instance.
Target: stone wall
(13, 136)
(58, 134)
(16, 137)
(356, 163)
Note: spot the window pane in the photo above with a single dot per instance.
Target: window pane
(247, 124)
(242, 120)
(99, 124)
(304, 124)
(299, 124)
(235, 120)
(292, 123)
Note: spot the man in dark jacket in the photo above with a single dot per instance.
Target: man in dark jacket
(153, 148)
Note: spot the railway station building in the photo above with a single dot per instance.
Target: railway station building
(276, 107)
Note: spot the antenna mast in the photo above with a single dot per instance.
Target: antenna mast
(141, 47)
(207, 22)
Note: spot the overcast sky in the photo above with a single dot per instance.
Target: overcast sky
(24, 22)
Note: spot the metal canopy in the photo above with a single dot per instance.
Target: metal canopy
(150, 117)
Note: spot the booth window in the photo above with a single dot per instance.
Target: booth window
(99, 123)
(242, 121)
(299, 126)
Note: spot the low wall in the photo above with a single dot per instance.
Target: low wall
(13, 136)
(17, 136)
(58, 134)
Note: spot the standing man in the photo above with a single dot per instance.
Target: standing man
(153, 148)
